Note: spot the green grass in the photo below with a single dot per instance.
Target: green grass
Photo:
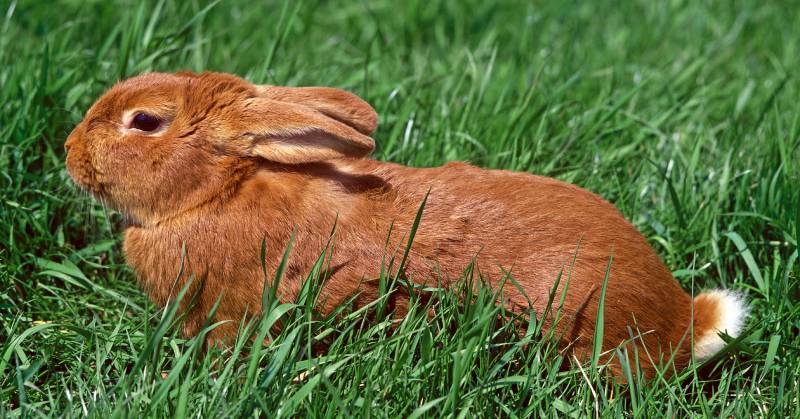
(685, 114)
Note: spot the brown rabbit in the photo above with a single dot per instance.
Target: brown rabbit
(218, 164)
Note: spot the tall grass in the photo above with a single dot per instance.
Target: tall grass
(684, 114)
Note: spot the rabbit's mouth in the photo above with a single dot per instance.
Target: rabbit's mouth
(85, 177)
(84, 174)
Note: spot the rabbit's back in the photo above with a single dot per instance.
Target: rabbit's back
(538, 229)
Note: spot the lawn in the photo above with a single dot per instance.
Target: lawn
(684, 114)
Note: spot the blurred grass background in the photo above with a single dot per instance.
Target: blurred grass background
(684, 114)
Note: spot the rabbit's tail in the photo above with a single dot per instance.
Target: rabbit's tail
(716, 311)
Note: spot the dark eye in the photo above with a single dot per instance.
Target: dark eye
(145, 122)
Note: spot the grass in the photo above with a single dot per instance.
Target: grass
(682, 113)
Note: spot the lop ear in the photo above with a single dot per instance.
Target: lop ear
(340, 105)
(293, 133)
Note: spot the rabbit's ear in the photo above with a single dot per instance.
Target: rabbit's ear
(292, 133)
(340, 105)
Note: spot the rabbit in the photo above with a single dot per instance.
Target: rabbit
(214, 163)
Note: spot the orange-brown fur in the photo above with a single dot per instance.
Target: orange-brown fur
(214, 181)
(707, 312)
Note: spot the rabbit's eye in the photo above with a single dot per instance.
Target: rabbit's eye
(145, 122)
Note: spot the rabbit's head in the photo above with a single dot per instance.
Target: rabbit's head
(159, 144)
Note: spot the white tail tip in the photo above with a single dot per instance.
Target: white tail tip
(717, 311)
